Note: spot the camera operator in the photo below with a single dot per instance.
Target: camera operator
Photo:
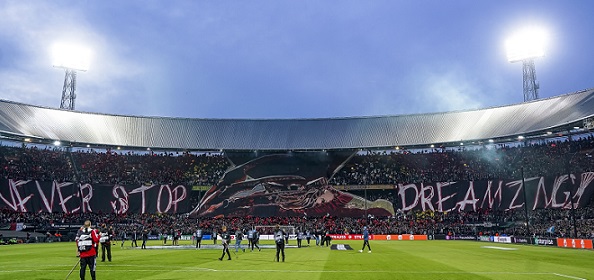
(87, 240)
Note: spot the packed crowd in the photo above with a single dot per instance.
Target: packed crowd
(111, 167)
(535, 158)
(129, 168)
(475, 163)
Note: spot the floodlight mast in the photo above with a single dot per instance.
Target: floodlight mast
(69, 90)
(71, 59)
(525, 46)
(529, 79)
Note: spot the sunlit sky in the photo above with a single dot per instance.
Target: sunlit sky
(290, 59)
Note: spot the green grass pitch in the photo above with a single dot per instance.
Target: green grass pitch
(388, 260)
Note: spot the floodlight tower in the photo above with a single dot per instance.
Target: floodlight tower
(71, 59)
(525, 46)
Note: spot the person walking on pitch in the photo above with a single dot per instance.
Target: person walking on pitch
(365, 240)
(225, 240)
(279, 239)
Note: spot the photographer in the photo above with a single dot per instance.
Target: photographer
(279, 239)
(225, 240)
(87, 240)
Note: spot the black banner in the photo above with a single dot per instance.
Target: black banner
(243, 191)
(36, 196)
(541, 192)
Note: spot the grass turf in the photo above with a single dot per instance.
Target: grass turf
(389, 260)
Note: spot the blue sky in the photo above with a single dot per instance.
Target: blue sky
(290, 59)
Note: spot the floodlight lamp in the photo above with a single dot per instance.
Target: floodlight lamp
(491, 141)
(526, 44)
(57, 143)
(71, 57)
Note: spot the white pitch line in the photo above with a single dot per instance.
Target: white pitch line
(319, 271)
(139, 268)
(569, 276)
(499, 248)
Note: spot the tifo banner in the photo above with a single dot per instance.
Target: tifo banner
(574, 243)
(286, 184)
(540, 192)
(296, 184)
(37, 196)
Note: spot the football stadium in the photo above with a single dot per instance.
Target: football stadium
(498, 192)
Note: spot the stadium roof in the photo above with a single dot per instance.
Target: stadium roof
(80, 128)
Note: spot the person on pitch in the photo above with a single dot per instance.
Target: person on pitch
(144, 239)
(238, 239)
(255, 240)
(105, 240)
(279, 239)
(214, 236)
(250, 238)
(365, 240)
(87, 240)
(225, 240)
(299, 238)
(198, 238)
(134, 238)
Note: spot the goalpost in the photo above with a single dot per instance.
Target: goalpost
(265, 231)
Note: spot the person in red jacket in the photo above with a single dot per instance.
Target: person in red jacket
(87, 240)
